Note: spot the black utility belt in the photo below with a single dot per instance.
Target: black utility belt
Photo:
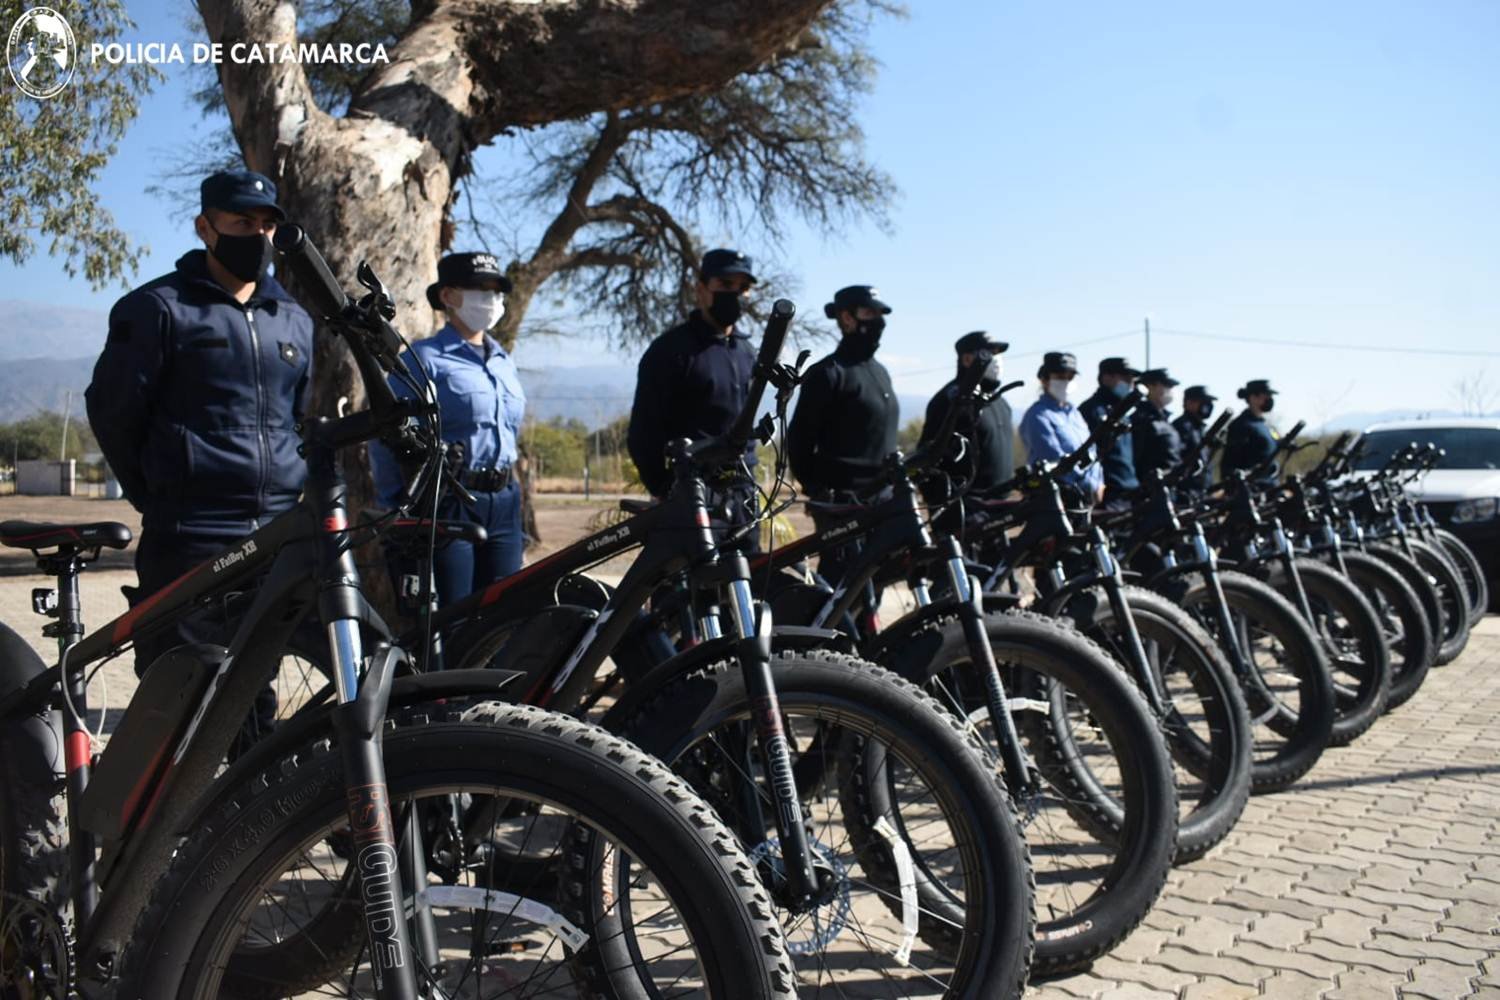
(486, 480)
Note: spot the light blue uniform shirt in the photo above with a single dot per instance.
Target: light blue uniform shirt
(1051, 430)
(482, 404)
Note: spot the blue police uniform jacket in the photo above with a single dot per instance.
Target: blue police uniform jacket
(1119, 458)
(196, 399)
(1248, 443)
(692, 382)
(1050, 430)
(479, 396)
(1155, 441)
(1191, 430)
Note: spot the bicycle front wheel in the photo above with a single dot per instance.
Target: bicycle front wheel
(657, 900)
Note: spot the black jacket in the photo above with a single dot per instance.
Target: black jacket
(846, 420)
(1248, 443)
(195, 401)
(990, 453)
(1155, 443)
(1191, 430)
(692, 382)
(1119, 459)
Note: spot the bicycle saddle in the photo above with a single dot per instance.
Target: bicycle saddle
(35, 535)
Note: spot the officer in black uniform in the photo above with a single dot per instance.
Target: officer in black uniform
(1116, 379)
(847, 415)
(1197, 407)
(694, 379)
(1154, 441)
(197, 395)
(1250, 440)
(989, 454)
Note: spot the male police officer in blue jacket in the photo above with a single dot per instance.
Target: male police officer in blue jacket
(1116, 379)
(197, 395)
(694, 379)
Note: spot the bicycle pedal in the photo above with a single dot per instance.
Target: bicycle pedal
(44, 601)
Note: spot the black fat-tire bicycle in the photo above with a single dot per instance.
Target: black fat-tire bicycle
(168, 855)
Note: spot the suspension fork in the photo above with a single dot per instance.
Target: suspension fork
(754, 652)
(1108, 569)
(971, 615)
(1288, 557)
(1205, 556)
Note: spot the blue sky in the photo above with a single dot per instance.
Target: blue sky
(1305, 172)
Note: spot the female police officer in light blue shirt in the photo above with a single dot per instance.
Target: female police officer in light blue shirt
(482, 403)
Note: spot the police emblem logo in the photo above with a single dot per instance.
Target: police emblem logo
(289, 353)
(41, 53)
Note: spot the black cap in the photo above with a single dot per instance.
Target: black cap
(973, 343)
(1118, 366)
(1254, 386)
(1200, 393)
(466, 270)
(1157, 376)
(717, 263)
(238, 190)
(1057, 361)
(852, 298)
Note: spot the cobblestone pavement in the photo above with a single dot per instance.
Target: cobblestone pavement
(1378, 875)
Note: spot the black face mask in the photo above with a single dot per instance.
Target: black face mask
(1270, 403)
(725, 308)
(245, 257)
(869, 330)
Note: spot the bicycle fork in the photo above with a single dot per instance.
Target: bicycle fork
(971, 615)
(754, 652)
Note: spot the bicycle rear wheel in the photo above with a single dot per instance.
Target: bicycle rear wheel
(658, 901)
(1408, 635)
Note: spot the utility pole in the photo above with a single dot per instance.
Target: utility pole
(1148, 342)
(62, 451)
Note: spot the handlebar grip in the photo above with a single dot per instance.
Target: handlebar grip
(1291, 435)
(309, 270)
(771, 343)
(1217, 427)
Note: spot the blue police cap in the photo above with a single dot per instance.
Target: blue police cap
(853, 297)
(238, 190)
(718, 263)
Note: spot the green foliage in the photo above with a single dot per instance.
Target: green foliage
(51, 152)
(556, 446)
(909, 434)
(39, 436)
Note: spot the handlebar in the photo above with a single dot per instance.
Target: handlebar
(1107, 431)
(1200, 460)
(731, 444)
(967, 393)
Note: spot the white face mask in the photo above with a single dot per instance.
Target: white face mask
(480, 309)
(1057, 388)
(994, 371)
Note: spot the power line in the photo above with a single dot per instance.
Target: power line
(1324, 346)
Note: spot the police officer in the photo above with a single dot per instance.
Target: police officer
(1197, 407)
(989, 453)
(482, 403)
(197, 395)
(847, 414)
(846, 418)
(1250, 440)
(1155, 442)
(1116, 379)
(1053, 428)
(694, 379)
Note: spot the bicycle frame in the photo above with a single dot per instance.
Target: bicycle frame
(307, 557)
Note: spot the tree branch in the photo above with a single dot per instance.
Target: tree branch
(268, 103)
